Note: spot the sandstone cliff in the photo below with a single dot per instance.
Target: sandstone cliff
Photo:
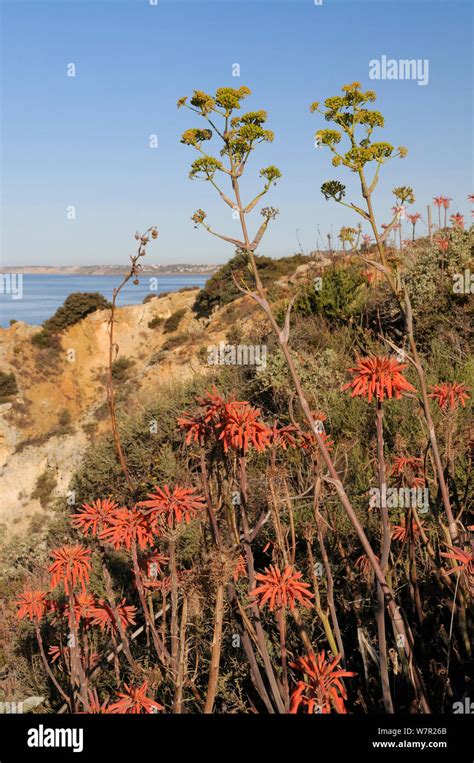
(46, 427)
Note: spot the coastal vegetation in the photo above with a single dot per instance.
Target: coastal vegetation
(293, 537)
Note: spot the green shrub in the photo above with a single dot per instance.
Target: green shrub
(64, 423)
(44, 340)
(44, 486)
(102, 412)
(121, 369)
(220, 289)
(340, 297)
(155, 322)
(8, 386)
(172, 323)
(174, 341)
(76, 306)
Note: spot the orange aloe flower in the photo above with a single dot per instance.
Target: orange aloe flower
(240, 569)
(401, 463)
(281, 589)
(83, 606)
(284, 437)
(438, 202)
(31, 604)
(413, 218)
(127, 525)
(410, 467)
(173, 507)
(449, 395)
(464, 565)
(213, 404)
(378, 377)
(322, 688)
(292, 436)
(55, 652)
(71, 565)
(212, 408)
(240, 427)
(400, 532)
(442, 244)
(103, 616)
(94, 517)
(464, 559)
(134, 701)
(197, 430)
(457, 220)
(308, 440)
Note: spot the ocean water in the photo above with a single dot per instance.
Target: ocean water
(39, 296)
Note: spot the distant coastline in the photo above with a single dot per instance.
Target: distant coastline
(33, 297)
(111, 270)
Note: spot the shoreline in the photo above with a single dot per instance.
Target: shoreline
(113, 271)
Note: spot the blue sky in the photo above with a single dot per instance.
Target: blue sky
(84, 141)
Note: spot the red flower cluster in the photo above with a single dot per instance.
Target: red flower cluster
(400, 532)
(240, 569)
(83, 607)
(321, 690)
(240, 427)
(442, 244)
(450, 395)
(464, 561)
(236, 423)
(281, 589)
(411, 468)
(125, 526)
(95, 516)
(172, 507)
(71, 566)
(134, 701)
(457, 220)
(31, 604)
(378, 377)
(103, 616)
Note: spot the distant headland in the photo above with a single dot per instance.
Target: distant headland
(110, 270)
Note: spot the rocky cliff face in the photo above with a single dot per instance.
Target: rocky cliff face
(46, 427)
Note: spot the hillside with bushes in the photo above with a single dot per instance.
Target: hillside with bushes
(206, 573)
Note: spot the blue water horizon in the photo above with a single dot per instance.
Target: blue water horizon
(42, 294)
